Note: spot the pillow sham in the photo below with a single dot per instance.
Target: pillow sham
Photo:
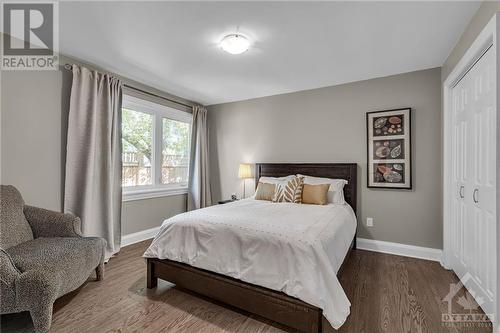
(290, 191)
(336, 190)
(275, 180)
(265, 191)
(315, 194)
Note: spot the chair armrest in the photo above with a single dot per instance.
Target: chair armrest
(47, 223)
(8, 271)
(9, 275)
(35, 284)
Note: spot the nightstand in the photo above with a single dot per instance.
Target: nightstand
(221, 202)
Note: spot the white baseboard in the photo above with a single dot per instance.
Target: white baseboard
(400, 249)
(139, 236)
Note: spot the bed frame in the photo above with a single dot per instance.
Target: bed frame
(264, 302)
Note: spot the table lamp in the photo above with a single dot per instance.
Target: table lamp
(244, 172)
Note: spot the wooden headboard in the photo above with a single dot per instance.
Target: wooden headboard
(347, 171)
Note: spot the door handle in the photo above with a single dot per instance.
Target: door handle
(461, 192)
(474, 195)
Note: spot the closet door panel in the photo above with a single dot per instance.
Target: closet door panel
(462, 228)
(480, 182)
(484, 187)
(470, 215)
(459, 153)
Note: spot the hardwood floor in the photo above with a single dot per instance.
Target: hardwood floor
(388, 294)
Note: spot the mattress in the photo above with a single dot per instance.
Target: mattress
(293, 248)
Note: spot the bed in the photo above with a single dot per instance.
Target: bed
(228, 252)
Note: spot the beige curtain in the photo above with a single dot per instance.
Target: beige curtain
(199, 195)
(92, 188)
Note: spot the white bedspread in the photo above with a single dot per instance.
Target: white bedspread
(293, 248)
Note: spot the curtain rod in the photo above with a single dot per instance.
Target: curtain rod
(70, 67)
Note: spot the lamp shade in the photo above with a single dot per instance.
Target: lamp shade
(245, 171)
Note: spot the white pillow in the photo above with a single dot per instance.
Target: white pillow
(336, 190)
(276, 180)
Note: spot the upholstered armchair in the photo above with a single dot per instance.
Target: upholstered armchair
(42, 257)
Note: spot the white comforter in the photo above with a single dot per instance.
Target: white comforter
(293, 248)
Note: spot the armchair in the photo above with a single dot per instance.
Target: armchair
(42, 257)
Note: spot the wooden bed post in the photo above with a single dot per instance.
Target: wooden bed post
(152, 279)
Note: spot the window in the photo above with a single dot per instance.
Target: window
(175, 151)
(155, 149)
(137, 147)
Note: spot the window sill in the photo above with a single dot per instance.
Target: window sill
(142, 194)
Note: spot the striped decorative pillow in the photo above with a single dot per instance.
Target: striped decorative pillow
(290, 191)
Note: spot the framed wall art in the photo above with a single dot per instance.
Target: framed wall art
(389, 148)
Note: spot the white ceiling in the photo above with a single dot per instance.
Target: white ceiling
(173, 46)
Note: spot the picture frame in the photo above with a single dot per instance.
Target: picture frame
(388, 134)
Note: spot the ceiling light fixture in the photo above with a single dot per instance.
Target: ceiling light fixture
(235, 44)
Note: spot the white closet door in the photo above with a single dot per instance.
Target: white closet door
(460, 152)
(483, 174)
(474, 178)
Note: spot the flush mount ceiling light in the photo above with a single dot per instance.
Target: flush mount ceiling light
(235, 43)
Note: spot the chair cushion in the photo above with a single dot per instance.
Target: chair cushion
(68, 261)
(14, 228)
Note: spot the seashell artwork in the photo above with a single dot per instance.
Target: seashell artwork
(389, 148)
(395, 120)
(382, 152)
(396, 151)
(392, 177)
(383, 169)
(380, 122)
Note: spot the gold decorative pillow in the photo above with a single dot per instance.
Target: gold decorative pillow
(265, 191)
(315, 194)
(290, 191)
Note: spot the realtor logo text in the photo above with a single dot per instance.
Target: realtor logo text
(30, 36)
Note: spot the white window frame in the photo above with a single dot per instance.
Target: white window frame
(158, 111)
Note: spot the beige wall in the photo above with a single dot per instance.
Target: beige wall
(143, 214)
(328, 125)
(34, 107)
(31, 135)
(477, 23)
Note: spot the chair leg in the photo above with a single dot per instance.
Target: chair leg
(99, 271)
(42, 318)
